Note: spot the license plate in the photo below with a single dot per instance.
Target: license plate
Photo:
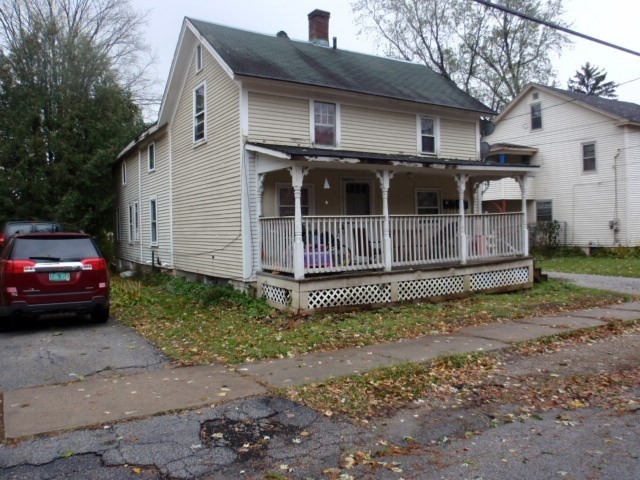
(59, 277)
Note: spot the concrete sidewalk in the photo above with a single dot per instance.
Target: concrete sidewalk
(38, 410)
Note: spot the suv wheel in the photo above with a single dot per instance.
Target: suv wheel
(100, 316)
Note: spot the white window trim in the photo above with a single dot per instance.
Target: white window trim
(436, 134)
(308, 186)
(312, 123)
(152, 145)
(193, 129)
(595, 157)
(153, 200)
(124, 172)
(198, 57)
(134, 222)
(438, 191)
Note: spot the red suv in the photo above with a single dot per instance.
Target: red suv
(44, 273)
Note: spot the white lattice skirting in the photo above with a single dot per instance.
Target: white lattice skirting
(381, 288)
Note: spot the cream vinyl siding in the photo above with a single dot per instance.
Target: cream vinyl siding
(156, 184)
(458, 139)
(206, 178)
(378, 131)
(127, 194)
(285, 120)
(279, 120)
(329, 202)
(584, 200)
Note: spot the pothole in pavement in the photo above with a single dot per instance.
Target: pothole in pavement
(248, 438)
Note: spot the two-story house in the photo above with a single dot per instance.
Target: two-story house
(587, 149)
(323, 177)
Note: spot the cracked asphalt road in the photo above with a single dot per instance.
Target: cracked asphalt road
(268, 437)
(44, 352)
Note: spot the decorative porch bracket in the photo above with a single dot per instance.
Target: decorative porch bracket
(297, 175)
(385, 177)
(522, 182)
(461, 180)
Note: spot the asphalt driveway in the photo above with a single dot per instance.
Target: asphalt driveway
(44, 352)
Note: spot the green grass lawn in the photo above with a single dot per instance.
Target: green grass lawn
(619, 267)
(194, 323)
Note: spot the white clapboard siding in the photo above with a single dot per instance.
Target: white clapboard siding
(206, 178)
(584, 200)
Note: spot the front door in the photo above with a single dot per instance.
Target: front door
(357, 197)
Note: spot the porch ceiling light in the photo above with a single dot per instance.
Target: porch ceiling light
(326, 183)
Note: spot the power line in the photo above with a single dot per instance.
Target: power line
(555, 26)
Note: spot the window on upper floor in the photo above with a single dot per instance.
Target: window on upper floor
(153, 220)
(324, 124)
(544, 211)
(589, 157)
(198, 58)
(151, 157)
(427, 135)
(536, 116)
(124, 172)
(427, 201)
(286, 200)
(199, 113)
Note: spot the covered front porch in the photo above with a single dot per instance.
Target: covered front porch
(382, 222)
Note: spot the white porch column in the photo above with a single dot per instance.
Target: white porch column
(297, 175)
(522, 181)
(461, 180)
(385, 177)
(260, 191)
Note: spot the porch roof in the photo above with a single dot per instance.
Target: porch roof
(297, 153)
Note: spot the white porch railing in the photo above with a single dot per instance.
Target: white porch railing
(424, 239)
(341, 244)
(494, 235)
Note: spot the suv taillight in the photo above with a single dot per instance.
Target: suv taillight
(1, 239)
(94, 264)
(19, 266)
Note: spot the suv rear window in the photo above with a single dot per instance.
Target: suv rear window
(59, 249)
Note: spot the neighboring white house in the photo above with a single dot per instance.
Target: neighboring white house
(587, 149)
(320, 176)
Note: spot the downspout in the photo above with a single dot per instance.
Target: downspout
(626, 176)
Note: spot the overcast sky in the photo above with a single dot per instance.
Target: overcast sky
(615, 21)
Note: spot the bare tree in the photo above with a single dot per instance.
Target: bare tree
(111, 27)
(488, 53)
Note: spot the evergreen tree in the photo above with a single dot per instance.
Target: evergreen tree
(64, 116)
(591, 80)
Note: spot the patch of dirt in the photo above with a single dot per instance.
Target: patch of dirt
(248, 438)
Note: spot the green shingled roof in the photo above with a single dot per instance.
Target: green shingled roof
(279, 58)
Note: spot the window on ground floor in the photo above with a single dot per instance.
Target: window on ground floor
(427, 201)
(544, 211)
(286, 200)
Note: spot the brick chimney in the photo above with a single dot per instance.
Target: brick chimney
(319, 27)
